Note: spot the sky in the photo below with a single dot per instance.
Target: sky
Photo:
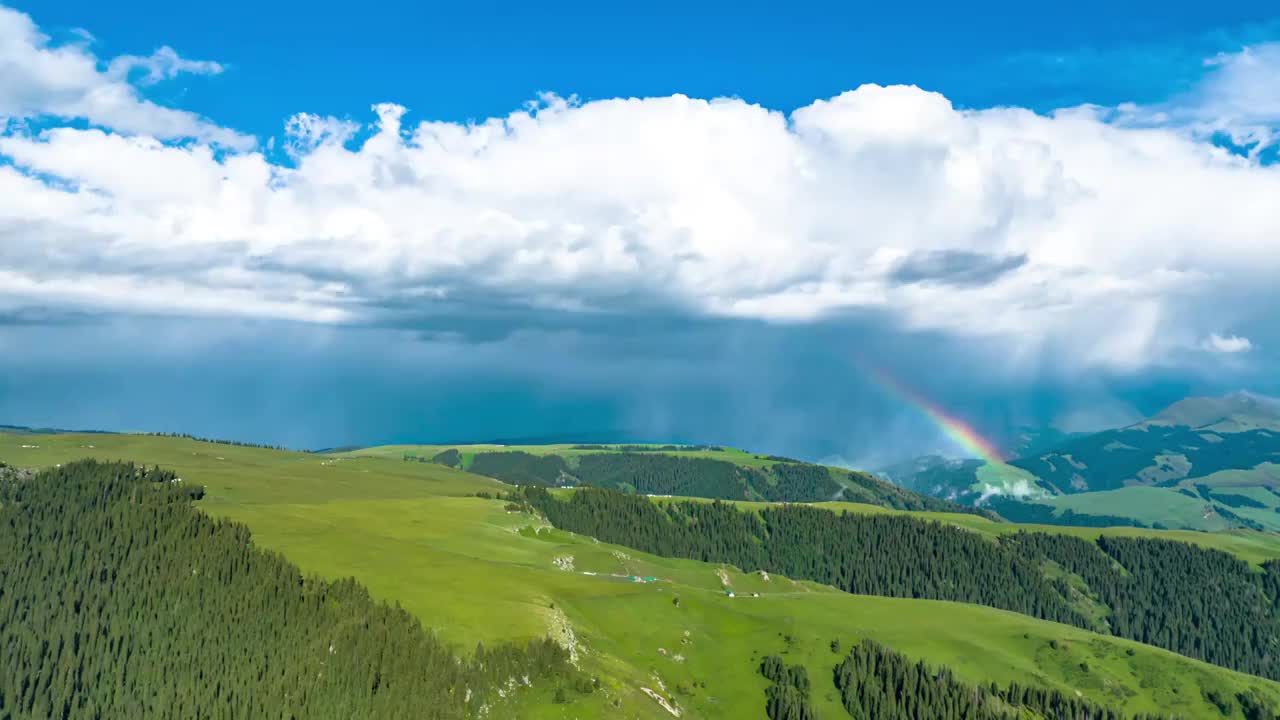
(322, 226)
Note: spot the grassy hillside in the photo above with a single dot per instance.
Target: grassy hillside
(1218, 501)
(416, 534)
(1233, 412)
(1148, 505)
(140, 605)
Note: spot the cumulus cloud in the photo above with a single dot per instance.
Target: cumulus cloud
(1075, 229)
(40, 79)
(1229, 344)
(1241, 96)
(304, 132)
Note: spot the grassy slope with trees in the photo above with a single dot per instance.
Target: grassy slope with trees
(416, 534)
(706, 471)
(1201, 603)
(119, 599)
(876, 683)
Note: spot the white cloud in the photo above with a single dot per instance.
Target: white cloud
(1242, 96)
(1074, 233)
(1229, 344)
(40, 79)
(1019, 489)
(1239, 97)
(305, 132)
(163, 64)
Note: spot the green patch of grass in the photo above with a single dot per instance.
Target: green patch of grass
(415, 534)
(1263, 495)
(1080, 597)
(1145, 504)
(1009, 479)
(1265, 474)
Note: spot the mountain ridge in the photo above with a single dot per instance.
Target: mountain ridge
(1199, 463)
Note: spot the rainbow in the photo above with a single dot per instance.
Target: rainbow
(959, 431)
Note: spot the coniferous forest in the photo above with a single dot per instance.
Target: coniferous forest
(892, 555)
(1200, 603)
(120, 599)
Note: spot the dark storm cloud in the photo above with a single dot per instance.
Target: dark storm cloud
(478, 372)
(40, 315)
(788, 389)
(955, 267)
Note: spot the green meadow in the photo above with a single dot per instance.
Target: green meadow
(1175, 506)
(1144, 504)
(565, 450)
(417, 535)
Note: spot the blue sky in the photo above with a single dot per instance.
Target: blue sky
(327, 225)
(459, 61)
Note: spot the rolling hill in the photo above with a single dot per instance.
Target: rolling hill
(707, 471)
(440, 543)
(445, 545)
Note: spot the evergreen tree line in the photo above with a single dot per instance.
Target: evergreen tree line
(876, 683)
(516, 467)
(450, 457)
(652, 448)
(893, 555)
(651, 474)
(118, 599)
(1197, 602)
(654, 473)
(236, 443)
(787, 697)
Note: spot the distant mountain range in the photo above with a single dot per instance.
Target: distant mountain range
(24, 430)
(1204, 463)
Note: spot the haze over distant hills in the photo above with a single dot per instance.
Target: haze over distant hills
(1235, 412)
(1201, 463)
